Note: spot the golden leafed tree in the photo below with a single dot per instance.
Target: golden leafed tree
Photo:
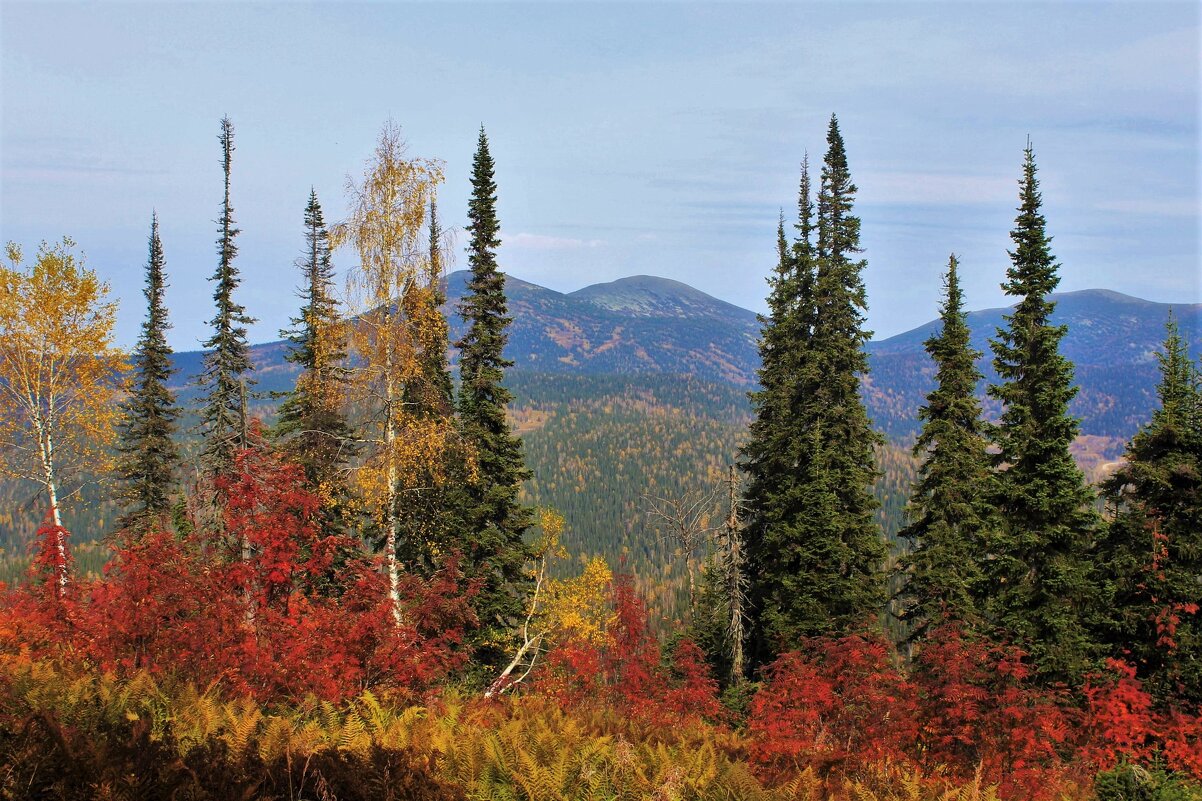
(403, 443)
(60, 375)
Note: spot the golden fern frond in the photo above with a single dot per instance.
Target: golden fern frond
(354, 737)
(805, 786)
(242, 719)
(276, 738)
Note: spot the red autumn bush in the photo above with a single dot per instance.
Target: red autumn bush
(1123, 723)
(840, 703)
(979, 706)
(269, 607)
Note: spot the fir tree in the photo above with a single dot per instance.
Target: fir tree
(949, 508)
(312, 423)
(494, 518)
(437, 367)
(772, 455)
(1151, 555)
(149, 455)
(1038, 573)
(224, 401)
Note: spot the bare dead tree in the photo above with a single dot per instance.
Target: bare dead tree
(684, 521)
(735, 578)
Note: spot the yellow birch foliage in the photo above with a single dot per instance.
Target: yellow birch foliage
(60, 375)
(385, 227)
(576, 607)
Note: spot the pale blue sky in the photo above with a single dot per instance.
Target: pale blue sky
(629, 139)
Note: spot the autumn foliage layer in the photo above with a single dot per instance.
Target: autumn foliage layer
(285, 675)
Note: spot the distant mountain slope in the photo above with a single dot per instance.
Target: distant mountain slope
(639, 325)
(1105, 328)
(1112, 340)
(644, 325)
(640, 385)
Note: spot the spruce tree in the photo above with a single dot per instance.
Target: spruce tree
(1039, 587)
(494, 518)
(949, 507)
(228, 360)
(435, 362)
(851, 547)
(815, 553)
(773, 455)
(148, 452)
(1151, 556)
(312, 423)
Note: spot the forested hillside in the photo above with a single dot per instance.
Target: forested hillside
(603, 425)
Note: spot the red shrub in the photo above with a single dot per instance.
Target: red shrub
(840, 703)
(271, 608)
(980, 707)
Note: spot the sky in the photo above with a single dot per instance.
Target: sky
(652, 138)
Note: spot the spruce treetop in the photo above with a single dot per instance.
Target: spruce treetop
(229, 357)
(148, 451)
(494, 518)
(949, 507)
(1040, 583)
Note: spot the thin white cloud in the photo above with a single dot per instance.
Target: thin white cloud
(541, 242)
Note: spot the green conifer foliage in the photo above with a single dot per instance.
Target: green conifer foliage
(228, 359)
(1038, 575)
(312, 424)
(494, 519)
(149, 455)
(771, 456)
(1151, 556)
(815, 553)
(949, 507)
(438, 369)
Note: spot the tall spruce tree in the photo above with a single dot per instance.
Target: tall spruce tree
(855, 551)
(1151, 556)
(815, 553)
(774, 455)
(1038, 575)
(312, 423)
(148, 453)
(228, 360)
(949, 507)
(494, 518)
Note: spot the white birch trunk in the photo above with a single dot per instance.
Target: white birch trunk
(390, 494)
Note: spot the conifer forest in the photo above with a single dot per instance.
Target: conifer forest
(355, 586)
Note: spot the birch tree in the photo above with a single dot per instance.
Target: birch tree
(387, 219)
(60, 375)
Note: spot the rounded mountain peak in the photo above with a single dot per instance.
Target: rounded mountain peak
(652, 296)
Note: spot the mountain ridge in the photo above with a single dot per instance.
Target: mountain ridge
(647, 325)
